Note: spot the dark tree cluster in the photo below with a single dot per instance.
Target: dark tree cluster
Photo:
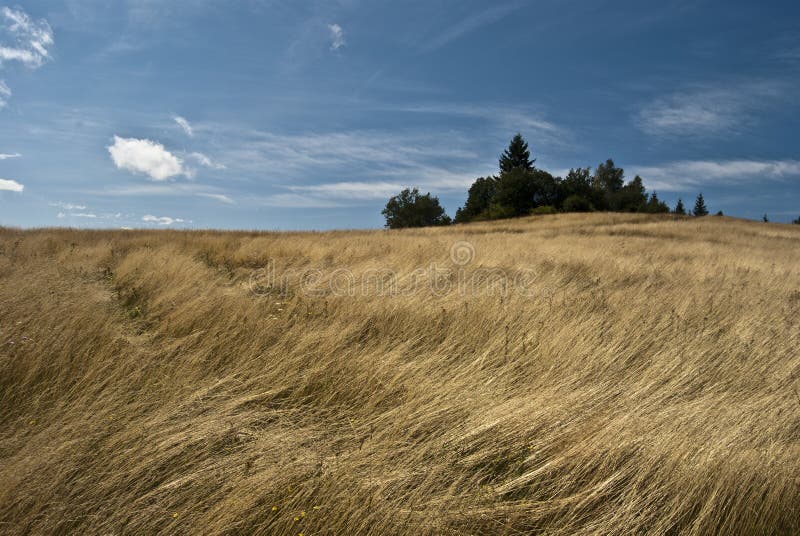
(521, 189)
(412, 209)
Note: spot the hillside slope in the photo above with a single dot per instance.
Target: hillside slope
(575, 374)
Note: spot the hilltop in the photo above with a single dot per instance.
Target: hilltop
(567, 374)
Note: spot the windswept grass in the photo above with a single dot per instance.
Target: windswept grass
(646, 381)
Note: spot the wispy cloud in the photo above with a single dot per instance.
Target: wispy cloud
(683, 175)
(184, 124)
(161, 220)
(6, 156)
(222, 198)
(32, 39)
(336, 36)
(5, 94)
(471, 23)
(146, 157)
(62, 215)
(205, 161)
(67, 206)
(708, 110)
(11, 186)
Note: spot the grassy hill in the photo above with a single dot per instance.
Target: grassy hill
(573, 374)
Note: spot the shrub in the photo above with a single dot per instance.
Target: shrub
(544, 210)
(577, 203)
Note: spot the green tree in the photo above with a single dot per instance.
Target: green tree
(411, 209)
(765, 219)
(521, 190)
(516, 156)
(577, 203)
(797, 221)
(479, 198)
(655, 205)
(631, 198)
(578, 182)
(679, 208)
(700, 206)
(607, 182)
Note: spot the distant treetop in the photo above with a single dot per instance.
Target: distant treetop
(516, 156)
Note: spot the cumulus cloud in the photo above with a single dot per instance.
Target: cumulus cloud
(6, 156)
(11, 186)
(31, 39)
(337, 36)
(184, 124)
(146, 157)
(161, 220)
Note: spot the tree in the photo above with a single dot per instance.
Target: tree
(765, 219)
(797, 221)
(516, 156)
(655, 205)
(516, 190)
(479, 198)
(700, 206)
(521, 190)
(577, 203)
(631, 198)
(410, 209)
(607, 182)
(719, 213)
(679, 208)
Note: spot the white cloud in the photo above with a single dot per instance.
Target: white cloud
(471, 23)
(11, 186)
(337, 36)
(203, 160)
(61, 215)
(6, 156)
(32, 39)
(161, 220)
(147, 157)
(708, 110)
(222, 198)
(5, 93)
(67, 206)
(682, 175)
(184, 124)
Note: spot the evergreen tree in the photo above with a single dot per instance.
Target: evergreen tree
(700, 206)
(679, 208)
(797, 221)
(765, 219)
(655, 205)
(516, 156)
(479, 198)
(411, 209)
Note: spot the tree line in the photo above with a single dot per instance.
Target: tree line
(521, 189)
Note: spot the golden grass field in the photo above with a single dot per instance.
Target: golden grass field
(643, 380)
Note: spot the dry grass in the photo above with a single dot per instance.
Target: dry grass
(649, 384)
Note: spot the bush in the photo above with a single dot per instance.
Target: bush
(577, 203)
(544, 210)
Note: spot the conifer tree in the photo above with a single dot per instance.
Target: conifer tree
(516, 156)
(679, 207)
(700, 206)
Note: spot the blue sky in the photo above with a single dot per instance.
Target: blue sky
(293, 114)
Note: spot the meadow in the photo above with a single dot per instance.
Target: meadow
(567, 374)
